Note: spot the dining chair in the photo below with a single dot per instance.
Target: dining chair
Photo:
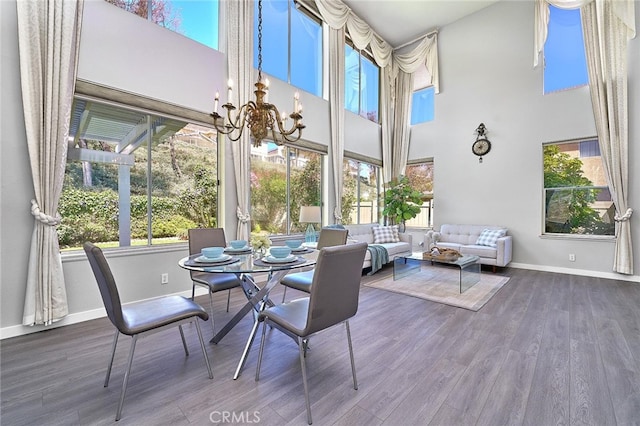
(200, 238)
(329, 237)
(144, 317)
(333, 299)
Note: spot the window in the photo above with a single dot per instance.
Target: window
(421, 178)
(577, 198)
(565, 64)
(422, 105)
(291, 45)
(360, 196)
(362, 84)
(197, 20)
(282, 180)
(135, 179)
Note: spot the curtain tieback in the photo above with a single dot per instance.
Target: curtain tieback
(42, 217)
(242, 217)
(337, 214)
(625, 217)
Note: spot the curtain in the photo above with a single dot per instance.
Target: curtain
(239, 50)
(336, 114)
(607, 26)
(400, 131)
(48, 41)
(606, 37)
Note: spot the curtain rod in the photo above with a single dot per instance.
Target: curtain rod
(416, 39)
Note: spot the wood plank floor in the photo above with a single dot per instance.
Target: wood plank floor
(547, 349)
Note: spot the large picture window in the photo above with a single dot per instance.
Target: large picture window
(134, 178)
(576, 195)
(361, 193)
(362, 84)
(291, 44)
(197, 20)
(282, 180)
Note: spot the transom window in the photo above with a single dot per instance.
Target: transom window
(197, 20)
(362, 84)
(577, 198)
(291, 44)
(565, 63)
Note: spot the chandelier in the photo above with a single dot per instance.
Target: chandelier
(259, 116)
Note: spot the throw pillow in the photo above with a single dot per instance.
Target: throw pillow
(489, 237)
(385, 234)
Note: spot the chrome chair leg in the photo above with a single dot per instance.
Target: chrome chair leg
(304, 378)
(284, 293)
(228, 299)
(204, 349)
(213, 326)
(184, 342)
(353, 364)
(125, 381)
(113, 354)
(264, 335)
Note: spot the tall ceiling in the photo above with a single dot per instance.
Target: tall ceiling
(401, 21)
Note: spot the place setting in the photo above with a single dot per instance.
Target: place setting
(238, 247)
(281, 255)
(297, 247)
(212, 256)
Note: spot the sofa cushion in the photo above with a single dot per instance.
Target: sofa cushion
(480, 251)
(489, 237)
(385, 234)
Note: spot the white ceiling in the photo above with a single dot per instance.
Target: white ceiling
(401, 21)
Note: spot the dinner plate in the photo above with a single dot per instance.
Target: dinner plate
(245, 249)
(202, 259)
(300, 250)
(271, 259)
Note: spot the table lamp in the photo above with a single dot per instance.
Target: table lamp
(310, 215)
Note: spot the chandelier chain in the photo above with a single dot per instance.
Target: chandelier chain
(259, 40)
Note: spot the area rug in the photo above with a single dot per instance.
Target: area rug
(440, 284)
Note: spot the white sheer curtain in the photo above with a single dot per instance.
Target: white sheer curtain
(395, 93)
(336, 112)
(239, 51)
(606, 38)
(48, 39)
(608, 26)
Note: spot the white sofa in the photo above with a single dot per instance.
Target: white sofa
(364, 233)
(464, 237)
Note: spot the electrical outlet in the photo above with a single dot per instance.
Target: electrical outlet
(164, 278)
(572, 257)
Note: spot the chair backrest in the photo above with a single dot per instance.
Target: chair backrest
(332, 237)
(106, 284)
(336, 286)
(200, 238)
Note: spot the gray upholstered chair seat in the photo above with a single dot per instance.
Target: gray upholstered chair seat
(218, 281)
(149, 314)
(291, 316)
(299, 281)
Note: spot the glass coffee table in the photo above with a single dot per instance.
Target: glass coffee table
(468, 266)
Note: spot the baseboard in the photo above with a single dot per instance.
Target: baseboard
(581, 272)
(20, 330)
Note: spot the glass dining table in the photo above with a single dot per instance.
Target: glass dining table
(245, 266)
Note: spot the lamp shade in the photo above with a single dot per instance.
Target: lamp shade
(310, 214)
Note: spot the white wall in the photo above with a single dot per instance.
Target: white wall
(487, 76)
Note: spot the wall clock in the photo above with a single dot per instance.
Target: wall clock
(481, 146)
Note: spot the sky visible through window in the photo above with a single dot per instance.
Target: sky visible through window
(199, 20)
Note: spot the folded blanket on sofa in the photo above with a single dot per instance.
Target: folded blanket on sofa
(379, 257)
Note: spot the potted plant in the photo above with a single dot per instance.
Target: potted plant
(401, 202)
